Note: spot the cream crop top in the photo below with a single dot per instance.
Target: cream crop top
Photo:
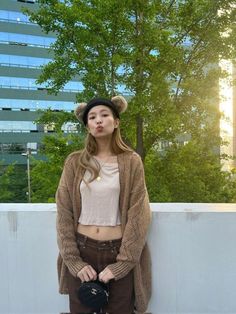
(100, 199)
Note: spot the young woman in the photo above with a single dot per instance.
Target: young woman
(103, 214)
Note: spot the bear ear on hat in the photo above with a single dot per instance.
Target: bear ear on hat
(120, 103)
(79, 110)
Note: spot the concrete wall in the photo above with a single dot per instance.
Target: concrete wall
(193, 253)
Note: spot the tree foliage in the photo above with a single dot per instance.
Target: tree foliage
(13, 183)
(189, 173)
(6, 192)
(164, 56)
(165, 53)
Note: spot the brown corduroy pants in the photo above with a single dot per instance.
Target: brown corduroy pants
(99, 254)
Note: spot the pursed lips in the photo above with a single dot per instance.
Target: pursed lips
(99, 128)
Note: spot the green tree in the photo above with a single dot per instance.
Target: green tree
(189, 173)
(13, 183)
(6, 191)
(164, 55)
(163, 52)
(18, 180)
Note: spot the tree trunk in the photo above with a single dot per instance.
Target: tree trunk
(139, 83)
(139, 137)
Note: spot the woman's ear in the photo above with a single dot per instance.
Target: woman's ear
(117, 122)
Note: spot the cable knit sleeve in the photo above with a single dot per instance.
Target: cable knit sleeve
(66, 237)
(138, 221)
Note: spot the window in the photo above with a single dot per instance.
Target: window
(13, 148)
(19, 104)
(27, 1)
(14, 16)
(69, 127)
(28, 83)
(30, 62)
(17, 126)
(23, 39)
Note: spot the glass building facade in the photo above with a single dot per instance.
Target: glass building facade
(23, 51)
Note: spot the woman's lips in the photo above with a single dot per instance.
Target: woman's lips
(99, 128)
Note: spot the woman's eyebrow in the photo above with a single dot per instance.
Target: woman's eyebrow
(92, 112)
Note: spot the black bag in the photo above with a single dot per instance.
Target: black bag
(93, 294)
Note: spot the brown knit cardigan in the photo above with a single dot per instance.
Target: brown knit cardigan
(135, 219)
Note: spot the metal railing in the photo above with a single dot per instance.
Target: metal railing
(14, 131)
(35, 131)
(17, 22)
(39, 88)
(16, 65)
(16, 43)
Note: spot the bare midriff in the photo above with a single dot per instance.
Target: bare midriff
(101, 233)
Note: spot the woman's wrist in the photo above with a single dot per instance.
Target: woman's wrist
(74, 268)
(120, 269)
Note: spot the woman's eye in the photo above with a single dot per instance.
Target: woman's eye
(105, 115)
(90, 118)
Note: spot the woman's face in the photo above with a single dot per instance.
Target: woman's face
(101, 121)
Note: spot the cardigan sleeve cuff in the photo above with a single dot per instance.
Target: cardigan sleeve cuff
(74, 268)
(120, 269)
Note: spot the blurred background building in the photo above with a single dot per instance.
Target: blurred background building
(23, 50)
(228, 108)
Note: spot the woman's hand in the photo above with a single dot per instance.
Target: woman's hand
(105, 275)
(87, 273)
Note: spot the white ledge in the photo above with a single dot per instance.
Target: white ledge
(193, 207)
(156, 207)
